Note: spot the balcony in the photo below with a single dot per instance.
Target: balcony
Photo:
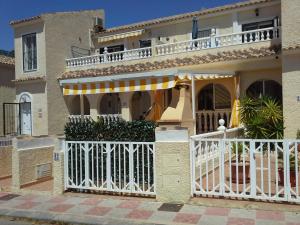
(211, 42)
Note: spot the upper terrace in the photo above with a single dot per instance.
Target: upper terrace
(241, 24)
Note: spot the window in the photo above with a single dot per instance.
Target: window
(29, 52)
(265, 88)
(255, 26)
(214, 96)
(115, 48)
(145, 43)
(204, 33)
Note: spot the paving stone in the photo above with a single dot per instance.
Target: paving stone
(270, 215)
(292, 217)
(80, 209)
(118, 212)
(139, 214)
(187, 218)
(90, 201)
(61, 208)
(129, 204)
(242, 213)
(152, 206)
(98, 211)
(269, 222)
(240, 221)
(292, 223)
(162, 217)
(217, 211)
(193, 209)
(27, 205)
(110, 202)
(212, 220)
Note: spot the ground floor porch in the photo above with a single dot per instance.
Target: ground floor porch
(208, 98)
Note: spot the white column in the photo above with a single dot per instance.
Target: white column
(193, 102)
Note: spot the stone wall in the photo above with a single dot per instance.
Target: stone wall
(29, 159)
(5, 161)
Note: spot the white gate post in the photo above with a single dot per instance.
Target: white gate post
(108, 167)
(86, 164)
(286, 170)
(222, 146)
(131, 171)
(252, 169)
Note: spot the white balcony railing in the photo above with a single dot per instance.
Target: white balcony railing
(213, 41)
(207, 120)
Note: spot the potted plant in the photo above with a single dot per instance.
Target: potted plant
(237, 151)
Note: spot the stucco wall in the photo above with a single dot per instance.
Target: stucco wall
(5, 161)
(64, 33)
(29, 159)
(7, 89)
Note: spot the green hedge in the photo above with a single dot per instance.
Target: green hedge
(89, 130)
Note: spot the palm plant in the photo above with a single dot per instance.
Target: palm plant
(262, 118)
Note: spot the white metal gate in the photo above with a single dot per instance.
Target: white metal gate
(246, 168)
(126, 167)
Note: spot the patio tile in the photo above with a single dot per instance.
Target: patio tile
(98, 211)
(80, 209)
(58, 199)
(118, 212)
(152, 206)
(240, 221)
(292, 223)
(242, 213)
(162, 217)
(90, 201)
(269, 222)
(217, 211)
(292, 217)
(27, 205)
(270, 215)
(212, 220)
(139, 214)
(110, 202)
(193, 209)
(73, 200)
(187, 218)
(129, 204)
(61, 208)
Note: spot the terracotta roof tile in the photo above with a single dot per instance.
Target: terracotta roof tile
(7, 60)
(171, 63)
(14, 22)
(185, 15)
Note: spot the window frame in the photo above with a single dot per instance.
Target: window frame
(25, 70)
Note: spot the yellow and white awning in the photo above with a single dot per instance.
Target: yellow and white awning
(147, 84)
(120, 36)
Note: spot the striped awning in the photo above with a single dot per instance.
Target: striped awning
(146, 84)
(121, 36)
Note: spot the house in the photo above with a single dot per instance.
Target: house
(184, 70)
(7, 93)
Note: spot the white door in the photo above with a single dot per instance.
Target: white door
(25, 111)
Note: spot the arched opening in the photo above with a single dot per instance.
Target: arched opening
(214, 103)
(110, 104)
(25, 114)
(140, 105)
(74, 108)
(265, 88)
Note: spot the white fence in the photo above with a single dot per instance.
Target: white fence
(246, 168)
(125, 167)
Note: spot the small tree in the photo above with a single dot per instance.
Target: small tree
(262, 118)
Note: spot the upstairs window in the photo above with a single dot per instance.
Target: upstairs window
(257, 26)
(145, 43)
(29, 52)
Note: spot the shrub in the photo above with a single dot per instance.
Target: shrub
(89, 130)
(262, 118)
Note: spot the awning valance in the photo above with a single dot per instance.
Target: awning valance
(183, 77)
(147, 84)
(121, 35)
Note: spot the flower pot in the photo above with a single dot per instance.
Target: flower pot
(292, 177)
(240, 174)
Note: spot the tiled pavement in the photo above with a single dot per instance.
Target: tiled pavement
(93, 209)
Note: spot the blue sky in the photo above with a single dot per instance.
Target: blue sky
(118, 12)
